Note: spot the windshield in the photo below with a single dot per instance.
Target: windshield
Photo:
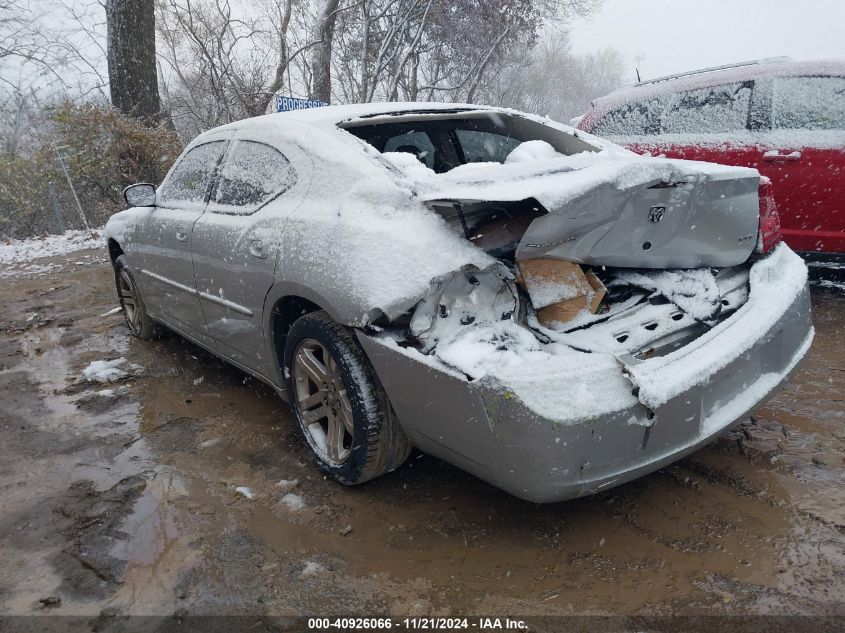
(443, 143)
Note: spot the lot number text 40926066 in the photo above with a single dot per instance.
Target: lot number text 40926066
(416, 624)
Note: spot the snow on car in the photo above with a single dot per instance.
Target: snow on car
(537, 306)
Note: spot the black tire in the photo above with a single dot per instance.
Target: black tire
(134, 311)
(377, 443)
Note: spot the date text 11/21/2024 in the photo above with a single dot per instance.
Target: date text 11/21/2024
(417, 624)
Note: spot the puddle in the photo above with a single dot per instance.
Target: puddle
(156, 550)
(734, 527)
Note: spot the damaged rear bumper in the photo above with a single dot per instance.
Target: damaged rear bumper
(481, 427)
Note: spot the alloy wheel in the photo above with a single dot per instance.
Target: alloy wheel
(322, 401)
(128, 298)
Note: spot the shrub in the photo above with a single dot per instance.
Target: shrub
(103, 150)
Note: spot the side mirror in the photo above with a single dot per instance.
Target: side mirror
(142, 194)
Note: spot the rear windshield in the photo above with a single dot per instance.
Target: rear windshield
(443, 143)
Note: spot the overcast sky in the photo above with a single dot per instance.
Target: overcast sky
(669, 36)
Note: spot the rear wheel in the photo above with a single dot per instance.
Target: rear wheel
(134, 311)
(339, 403)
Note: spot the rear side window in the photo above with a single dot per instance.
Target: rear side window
(485, 147)
(809, 103)
(251, 175)
(632, 119)
(715, 109)
(190, 179)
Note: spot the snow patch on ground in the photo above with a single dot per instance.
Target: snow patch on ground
(293, 501)
(110, 370)
(16, 251)
(287, 485)
(246, 492)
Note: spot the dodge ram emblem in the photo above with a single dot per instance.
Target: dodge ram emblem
(655, 214)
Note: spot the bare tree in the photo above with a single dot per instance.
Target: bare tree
(321, 64)
(436, 49)
(133, 80)
(552, 81)
(221, 63)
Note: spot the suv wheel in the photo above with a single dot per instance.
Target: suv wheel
(339, 403)
(134, 311)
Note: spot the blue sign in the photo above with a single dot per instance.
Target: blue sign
(286, 104)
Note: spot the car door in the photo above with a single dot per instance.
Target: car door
(235, 245)
(804, 155)
(166, 270)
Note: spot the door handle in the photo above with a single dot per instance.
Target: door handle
(774, 156)
(257, 249)
(181, 234)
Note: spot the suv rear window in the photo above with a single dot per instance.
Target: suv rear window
(809, 103)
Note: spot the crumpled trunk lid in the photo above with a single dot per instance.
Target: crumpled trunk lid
(622, 210)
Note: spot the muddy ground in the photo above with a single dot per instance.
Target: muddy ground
(121, 498)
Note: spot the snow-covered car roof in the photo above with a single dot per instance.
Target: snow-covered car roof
(778, 67)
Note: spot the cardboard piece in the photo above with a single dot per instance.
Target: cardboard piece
(590, 291)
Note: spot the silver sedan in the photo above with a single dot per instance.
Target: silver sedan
(535, 305)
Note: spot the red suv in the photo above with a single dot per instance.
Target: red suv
(785, 118)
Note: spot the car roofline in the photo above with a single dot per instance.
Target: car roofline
(714, 76)
(713, 69)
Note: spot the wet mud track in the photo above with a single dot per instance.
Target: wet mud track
(123, 497)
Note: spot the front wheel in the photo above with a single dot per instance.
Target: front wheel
(134, 311)
(339, 403)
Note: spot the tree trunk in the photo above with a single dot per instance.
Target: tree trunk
(321, 58)
(133, 81)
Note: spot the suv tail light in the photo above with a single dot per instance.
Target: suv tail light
(769, 235)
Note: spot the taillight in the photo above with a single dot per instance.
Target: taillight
(769, 235)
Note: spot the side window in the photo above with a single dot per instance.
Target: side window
(632, 119)
(715, 109)
(252, 174)
(189, 180)
(414, 143)
(809, 103)
(485, 147)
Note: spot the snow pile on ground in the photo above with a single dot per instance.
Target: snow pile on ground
(245, 491)
(312, 568)
(293, 501)
(15, 251)
(110, 370)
